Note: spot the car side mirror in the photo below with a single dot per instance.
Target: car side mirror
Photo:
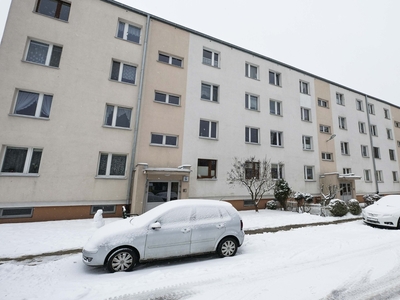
(155, 225)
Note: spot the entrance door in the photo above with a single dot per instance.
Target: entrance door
(345, 191)
(159, 192)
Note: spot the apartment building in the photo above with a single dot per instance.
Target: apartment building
(129, 109)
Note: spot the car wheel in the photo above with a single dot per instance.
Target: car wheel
(227, 247)
(122, 260)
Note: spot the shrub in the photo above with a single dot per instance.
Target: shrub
(371, 199)
(338, 208)
(354, 207)
(282, 192)
(271, 204)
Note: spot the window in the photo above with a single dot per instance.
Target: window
(276, 138)
(364, 151)
(327, 156)
(379, 176)
(398, 143)
(164, 140)
(107, 209)
(251, 71)
(361, 127)
(306, 114)
(252, 169)
(342, 123)
(123, 72)
(111, 165)
(206, 168)
(324, 129)
(54, 8)
(374, 130)
(277, 171)
(209, 92)
(396, 124)
(308, 172)
(275, 107)
(346, 170)
(304, 87)
(208, 129)
(252, 135)
(274, 78)
(395, 176)
(386, 113)
(344, 148)
(117, 116)
(371, 109)
(251, 102)
(210, 58)
(170, 60)
(359, 105)
(389, 134)
(166, 98)
(33, 104)
(391, 154)
(367, 175)
(339, 99)
(128, 32)
(323, 103)
(16, 212)
(21, 160)
(377, 153)
(307, 142)
(44, 54)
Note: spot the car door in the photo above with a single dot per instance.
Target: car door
(208, 227)
(172, 238)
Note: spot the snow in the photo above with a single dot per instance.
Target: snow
(342, 261)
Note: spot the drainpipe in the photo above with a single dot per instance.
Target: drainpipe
(372, 144)
(138, 108)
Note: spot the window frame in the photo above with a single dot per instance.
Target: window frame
(344, 148)
(109, 165)
(305, 114)
(252, 170)
(274, 78)
(248, 101)
(340, 99)
(276, 103)
(214, 62)
(211, 166)
(389, 133)
(395, 176)
(27, 164)
(49, 53)
(171, 59)
(168, 96)
(326, 156)
(125, 32)
(362, 127)
(248, 136)
(373, 130)
(321, 126)
(371, 109)
(306, 173)
(347, 171)
(114, 117)
(342, 122)
(248, 73)
(323, 103)
(280, 171)
(164, 140)
(376, 152)
(39, 105)
(210, 129)
(58, 11)
(120, 78)
(359, 105)
(307, 142)
(386, 113)
(379, 176)
(304, 87)
(364, 151)
(392, 154)
(278, 138)
(214, 92)
(367, 175)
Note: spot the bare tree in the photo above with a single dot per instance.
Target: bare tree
(254, 174)
(326, 198)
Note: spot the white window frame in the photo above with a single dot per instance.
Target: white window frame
(210, 129)
(307, 143)
(323, 103)
(39, 105)
(274, 78)
(305, 114)
(212, 92)
(344, 148)
(373, 130)
(167, 98)
(279, 171)
(340, 99)
(50, 48)
(306, 173)
(278, 138)
(304, 87)
(108, 166)
(386, 113)
(214, 61)
(379, 176)
(171, 60)
(248, 135)
(396, 124)
(364, 151)
(361, 127)
(367, 175)
(114, 116)
(395, 176)
(359, 105)
(164, 140)
(277, 107)
(248, 73)
(377, 152)
(126, 31)
(392, 155)
(389, 133)
(342, 123)
(346, 170)
(371, 109)
(121, 71)
(27, 163)
(325, 129)
(327, 156)
(249, 101)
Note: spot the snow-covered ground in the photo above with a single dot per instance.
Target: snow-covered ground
(343, 261)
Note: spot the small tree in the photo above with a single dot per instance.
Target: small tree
(282, 192)
(301, 199)
(253, 174)
(326, 198)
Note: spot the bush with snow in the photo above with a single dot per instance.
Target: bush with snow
(354, 207)
(271, 204)
(338, 208)
(371, 199)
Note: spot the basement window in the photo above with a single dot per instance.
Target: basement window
(16, 212)
(107, 209)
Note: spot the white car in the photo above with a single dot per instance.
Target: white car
(384, 212)
(173, 229)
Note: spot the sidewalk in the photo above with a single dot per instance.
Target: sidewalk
(23, 241)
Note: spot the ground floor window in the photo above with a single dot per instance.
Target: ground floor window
(112, 164)
(206, 168)
(21, 160)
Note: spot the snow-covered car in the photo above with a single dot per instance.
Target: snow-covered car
(385, 212)
(172, 229)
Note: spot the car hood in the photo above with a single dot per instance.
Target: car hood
(116, 233)
(381, 209)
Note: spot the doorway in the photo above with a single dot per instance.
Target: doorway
(345, 191)
(159, 192)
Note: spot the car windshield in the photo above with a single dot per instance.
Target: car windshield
(390, 201)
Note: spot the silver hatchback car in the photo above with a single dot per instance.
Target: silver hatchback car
(173, 229)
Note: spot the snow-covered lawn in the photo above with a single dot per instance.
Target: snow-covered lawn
(343, 261)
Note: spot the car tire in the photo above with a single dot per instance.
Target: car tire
(227, 247)
(122, 260)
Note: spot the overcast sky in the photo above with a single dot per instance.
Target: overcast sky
(351, 42)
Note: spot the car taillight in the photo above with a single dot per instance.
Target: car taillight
(241, 225)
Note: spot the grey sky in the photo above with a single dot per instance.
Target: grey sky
(352, 42)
